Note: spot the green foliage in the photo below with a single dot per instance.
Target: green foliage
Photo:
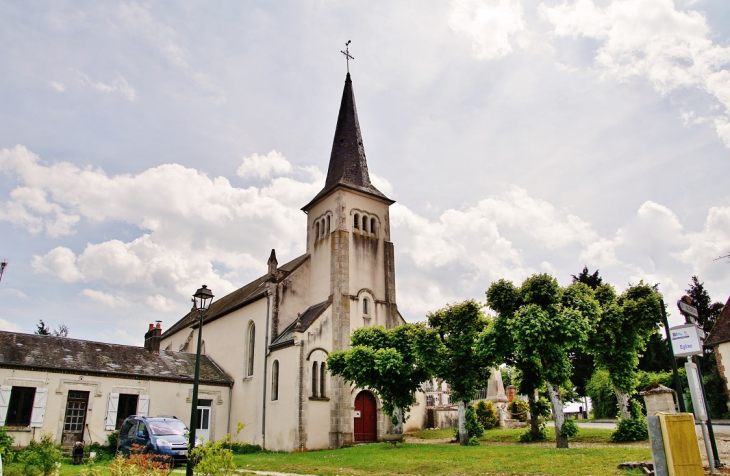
(386, 361)
(474, 441)
(239, 448)
(708, 311)
(40, 457)
(214, 458)
(92, 471)
(529, 436)
(569, 428)
(6, 446)
(519, 408)
(603, 397)
(631, 429)
(448, 349)
(112, 440)
(473, 427)
(486, 414)
(585, 277)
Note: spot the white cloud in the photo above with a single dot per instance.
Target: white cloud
(652, 39)
(8, 326)
(264, 166)
(103, 298)
(493, 26)
(117, 85)
(58, 86)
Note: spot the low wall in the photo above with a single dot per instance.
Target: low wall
(445, 418)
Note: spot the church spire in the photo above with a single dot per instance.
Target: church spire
(348, 167)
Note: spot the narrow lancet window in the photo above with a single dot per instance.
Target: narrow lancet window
(315, 367)
(275, 380)
(322, 377)
(356, 222)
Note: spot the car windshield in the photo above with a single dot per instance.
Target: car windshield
(169, 427)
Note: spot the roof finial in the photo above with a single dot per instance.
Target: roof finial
(347, 54)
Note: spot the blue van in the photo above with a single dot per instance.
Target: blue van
(164, 436)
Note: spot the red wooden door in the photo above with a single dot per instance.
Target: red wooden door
(365, 415)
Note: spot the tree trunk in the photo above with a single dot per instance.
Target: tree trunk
(463, 435)
(398, 428)
(534, 417)
(561, 441)
(623, 402)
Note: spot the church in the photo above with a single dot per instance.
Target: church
(264, 348)
(273, 335)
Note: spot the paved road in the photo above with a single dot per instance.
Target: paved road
(723, 427)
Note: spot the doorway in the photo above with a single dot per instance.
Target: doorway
(75, 418)
(365, 426)
(203, 428)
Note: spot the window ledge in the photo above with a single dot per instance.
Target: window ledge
(18, 428)
(250, 377)
(320, 399)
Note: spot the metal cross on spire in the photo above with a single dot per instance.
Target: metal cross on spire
(347, 54)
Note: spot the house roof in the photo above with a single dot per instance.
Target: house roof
(301, 324)
(61, 354)
(252, 291)
(348, 167)
(721, 330)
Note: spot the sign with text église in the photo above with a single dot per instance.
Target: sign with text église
(685, 340)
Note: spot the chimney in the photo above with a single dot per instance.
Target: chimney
(272, 263)
(153, 337)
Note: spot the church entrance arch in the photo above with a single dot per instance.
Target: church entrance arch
(365, 417)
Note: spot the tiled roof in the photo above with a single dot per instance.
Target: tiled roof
(721, 330)
(254, 290)
(348, 167)
(301, 324)
(50, 353)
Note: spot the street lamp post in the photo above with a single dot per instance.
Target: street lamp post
(202, 298)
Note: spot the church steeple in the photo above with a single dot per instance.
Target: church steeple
(348, 167)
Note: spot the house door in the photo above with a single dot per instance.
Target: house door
(365, 415)
(75, 419)
(203, 428)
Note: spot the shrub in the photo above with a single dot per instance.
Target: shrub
(6, 446)
(473, 441)
(138, 465)
(239, 448)
(486, 414)
(519, 408)
(40, 457)
(569, 428)
(112, 440)
(473, 427)
(92, 471)
(213, 458)
(527, 437)
(631, 429)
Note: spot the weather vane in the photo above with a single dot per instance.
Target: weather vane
(347, 54)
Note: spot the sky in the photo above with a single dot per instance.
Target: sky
(147, 148)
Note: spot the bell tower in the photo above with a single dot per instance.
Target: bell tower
(352, 259)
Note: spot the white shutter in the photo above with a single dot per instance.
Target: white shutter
(112, 404)
(39, 408)
(4, 402)
(143, 405)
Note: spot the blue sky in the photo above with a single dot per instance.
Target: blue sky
(148, 148)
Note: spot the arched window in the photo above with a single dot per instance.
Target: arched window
(315, 366)
(356, 221)
(373, 227)
(364, 223)
(322, 379)
(365, 306)
(316, 231)
(327, 227)
(251, 347)
(275, 380)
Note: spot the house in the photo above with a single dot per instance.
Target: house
(273, 335)
(719, 340)
(82, 390)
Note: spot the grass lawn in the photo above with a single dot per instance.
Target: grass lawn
(585, 435)
(432, 459)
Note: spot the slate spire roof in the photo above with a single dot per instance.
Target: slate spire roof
(348, 167)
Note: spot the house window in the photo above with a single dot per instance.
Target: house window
(373, 228)
(322, 376)
(275, 380)
(327, 227)
(364, 223)
(127, 406)
(20, 406)
(251, 347)
(356, 221)
(316, 231)
(315, 366)
(365, 306)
